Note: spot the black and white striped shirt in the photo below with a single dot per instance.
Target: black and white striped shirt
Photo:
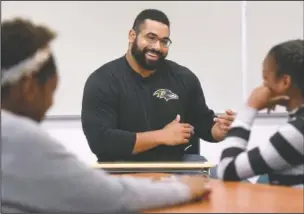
(281, 157)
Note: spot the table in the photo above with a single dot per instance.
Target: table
(168, 167)
(240, 197)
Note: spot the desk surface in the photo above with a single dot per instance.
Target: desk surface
(241, 197)
(149, 165)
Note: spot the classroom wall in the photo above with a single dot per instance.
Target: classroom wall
(223, 43)
(91, 33)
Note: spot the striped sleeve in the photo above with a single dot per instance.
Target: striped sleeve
(282, 151)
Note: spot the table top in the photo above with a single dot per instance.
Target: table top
(240, 197)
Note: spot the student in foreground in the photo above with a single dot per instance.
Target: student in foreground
(282, 156)
(38, 174)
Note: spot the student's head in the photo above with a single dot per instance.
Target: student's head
(283, 69)
(149, 38)
(28, 68)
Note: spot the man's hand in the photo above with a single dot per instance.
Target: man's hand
(262, 98)
(176, 133)
(224, 121)
(222, 125)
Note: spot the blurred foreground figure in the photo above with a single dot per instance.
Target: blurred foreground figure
(281, 156)
(38, 174)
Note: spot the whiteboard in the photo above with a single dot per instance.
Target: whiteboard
(206, 38)
(269, 23)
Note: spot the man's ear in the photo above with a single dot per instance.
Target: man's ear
(132, 36)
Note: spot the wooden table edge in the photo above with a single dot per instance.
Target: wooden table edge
(171, 165)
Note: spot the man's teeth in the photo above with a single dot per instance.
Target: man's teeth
(152, 54)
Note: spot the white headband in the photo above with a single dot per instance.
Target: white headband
(25, 67)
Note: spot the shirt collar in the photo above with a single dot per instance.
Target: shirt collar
(296, 111)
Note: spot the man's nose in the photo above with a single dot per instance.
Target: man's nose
(156, 46)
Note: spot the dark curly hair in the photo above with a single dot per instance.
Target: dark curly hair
(289, 57)
(20, 39)
(152, 14)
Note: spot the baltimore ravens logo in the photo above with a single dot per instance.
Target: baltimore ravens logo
(165, 94)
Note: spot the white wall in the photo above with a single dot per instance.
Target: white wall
(214, 39)
(91, 33)
(269, 23)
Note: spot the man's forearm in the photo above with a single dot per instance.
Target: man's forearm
(146, 141)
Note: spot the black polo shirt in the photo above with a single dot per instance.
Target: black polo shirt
(118, 102)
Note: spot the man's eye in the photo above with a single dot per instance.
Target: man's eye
(165, 42)
(152, 38)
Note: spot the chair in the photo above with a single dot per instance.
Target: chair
(263, 179)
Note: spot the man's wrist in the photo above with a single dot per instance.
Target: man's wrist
(215, 134)
(147, 140)
(158, 136)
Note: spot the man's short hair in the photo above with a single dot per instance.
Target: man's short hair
(152, 14)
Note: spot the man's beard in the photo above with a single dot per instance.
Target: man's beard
(140, 57)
